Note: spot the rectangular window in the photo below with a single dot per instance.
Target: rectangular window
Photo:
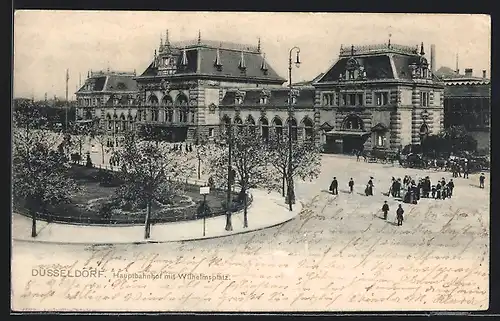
(210, 132)
(344, 100)
(361, 101)
(424, 97)
(352, 99)
(328, 99)
(382, 99)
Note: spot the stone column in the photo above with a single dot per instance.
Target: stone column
(395, 130)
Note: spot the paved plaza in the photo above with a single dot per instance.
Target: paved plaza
(337, 254)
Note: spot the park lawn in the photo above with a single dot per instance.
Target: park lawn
(185, 205)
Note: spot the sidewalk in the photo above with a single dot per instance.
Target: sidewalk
(266, 210)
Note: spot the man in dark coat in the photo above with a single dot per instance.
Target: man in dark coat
(391, 188)
(481, 180)
(397, 191)
(351, 185)
(385, 209)
(334, 186)
(369, 187)
(399, 215)
(438, 190)
(466, 170)
(451, 186)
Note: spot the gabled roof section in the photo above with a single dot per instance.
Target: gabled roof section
(377, 67)
(201, 58)
(230, 60)
(109, 82)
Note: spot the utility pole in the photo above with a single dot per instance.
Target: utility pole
(67, 103)
(229, 225)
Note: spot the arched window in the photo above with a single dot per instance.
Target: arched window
(294, 128)
(167, 100)
(170, 114)
(122, 122)
(424, 132)
(264, 124)
(155, 114)
(353, 123)
(182, 103)
(308, 129)
(153, 100)
(225, 123)
(278, 126)
(251, 124)
(239, 123)
(108, 120)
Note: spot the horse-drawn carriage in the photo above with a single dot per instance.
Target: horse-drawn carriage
(413, 160)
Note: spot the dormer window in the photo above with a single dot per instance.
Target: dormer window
(239, 100)
(351, 74)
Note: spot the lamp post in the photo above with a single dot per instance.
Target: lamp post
(290, 188)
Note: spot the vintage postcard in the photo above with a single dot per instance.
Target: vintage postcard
(245, 161)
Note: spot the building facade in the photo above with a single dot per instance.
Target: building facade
(378, 96)
(110, 100)
(182, 89)
(382, 96)
(467, 103)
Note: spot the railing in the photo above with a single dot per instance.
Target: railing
(174, 215)
(346, 50)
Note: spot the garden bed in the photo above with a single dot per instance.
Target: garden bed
(93, 205)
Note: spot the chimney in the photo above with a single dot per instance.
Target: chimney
(484, 74)
(468, 72)
(433, 58)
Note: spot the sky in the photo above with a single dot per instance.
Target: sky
(46, 43)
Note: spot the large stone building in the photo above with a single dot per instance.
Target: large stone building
(108, 99)
(378, 96)
(382, 96)
(467, 103)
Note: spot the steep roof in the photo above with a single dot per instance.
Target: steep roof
(380, 62)
(109, 82)
(278, 97)
(201, 59)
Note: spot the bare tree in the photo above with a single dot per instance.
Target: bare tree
(39, 170)
(147, 171)
(306, 160)
(249, 162)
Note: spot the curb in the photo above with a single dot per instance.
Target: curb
(157, 242)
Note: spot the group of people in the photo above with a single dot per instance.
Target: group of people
(458, 168)
(423, 188)
(334, 186)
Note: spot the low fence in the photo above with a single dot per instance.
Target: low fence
(130, 220)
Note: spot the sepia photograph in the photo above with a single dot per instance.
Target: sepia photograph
(169, 161)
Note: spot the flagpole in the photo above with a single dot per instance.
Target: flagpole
(67, 103)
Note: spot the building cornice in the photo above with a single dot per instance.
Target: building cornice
(210, 77)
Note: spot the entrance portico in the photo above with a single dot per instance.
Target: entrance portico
(344, 141)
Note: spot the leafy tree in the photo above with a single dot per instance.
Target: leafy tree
(147, 172)
(306, 160)
(249, 161)
(39, 170)
(201, 152)
(452, 140)
(101, 137)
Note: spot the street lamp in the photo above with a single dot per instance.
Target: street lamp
(290, 189)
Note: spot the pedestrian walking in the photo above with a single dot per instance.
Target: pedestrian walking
(451, 186)
(466, 170)
(433, 191)
(385, 209)
(397, 191)
(481, 180)
(399, 215)
(334, 186)
(351, 185)
(438, 191)
(391, 187)
(369, 187)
